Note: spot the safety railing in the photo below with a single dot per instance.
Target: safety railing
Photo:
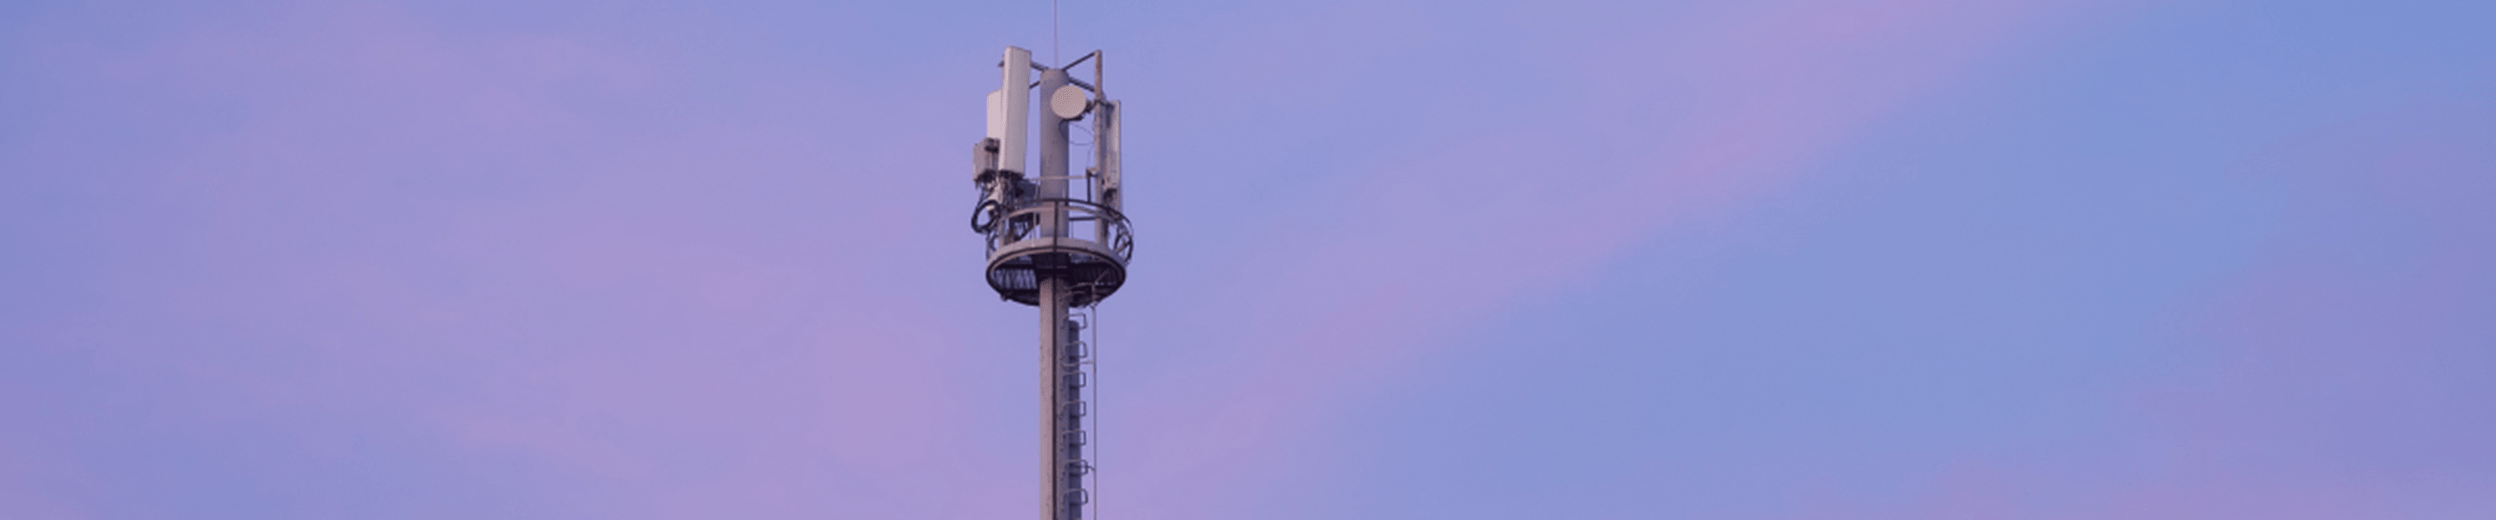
(1085, 220)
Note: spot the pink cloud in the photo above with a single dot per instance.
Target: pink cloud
(1685, 119)
(519, 250)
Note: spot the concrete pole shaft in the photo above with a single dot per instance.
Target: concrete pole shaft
(1052, 330)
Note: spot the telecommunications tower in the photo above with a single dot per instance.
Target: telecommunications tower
(1053, 247)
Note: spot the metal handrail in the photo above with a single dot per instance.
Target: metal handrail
(1018, 223)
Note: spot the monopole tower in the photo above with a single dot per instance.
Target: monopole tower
(1055, 241)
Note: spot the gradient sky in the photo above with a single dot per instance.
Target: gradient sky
(1779, 260)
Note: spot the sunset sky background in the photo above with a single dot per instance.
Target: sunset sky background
(1777, 260)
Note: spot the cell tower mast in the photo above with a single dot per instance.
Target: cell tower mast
(1052, 247)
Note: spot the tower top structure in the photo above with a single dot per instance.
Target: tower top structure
(1036, 227)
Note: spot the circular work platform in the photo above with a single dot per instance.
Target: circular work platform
(1089, 251)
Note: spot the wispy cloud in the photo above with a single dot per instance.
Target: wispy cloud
(1666, 121)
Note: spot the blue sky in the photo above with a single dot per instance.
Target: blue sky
(1730, 260)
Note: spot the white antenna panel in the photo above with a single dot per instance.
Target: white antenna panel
(996, 116)
(1013, 109)
(1105, 135)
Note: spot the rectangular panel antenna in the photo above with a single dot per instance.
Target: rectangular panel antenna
(1010, 107)
(1107, 191)
(996, 115)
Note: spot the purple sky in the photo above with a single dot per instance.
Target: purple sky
(1792, 260)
